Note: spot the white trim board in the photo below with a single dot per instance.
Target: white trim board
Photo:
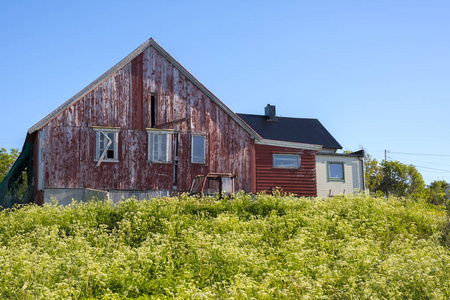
(289, 145)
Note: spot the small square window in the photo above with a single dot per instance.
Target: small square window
(336, 171)
(160, 146)
(198, 149)
(106, 145)
(286, 161)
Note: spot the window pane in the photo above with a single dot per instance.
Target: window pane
(111, 135)
(110, 154)
(336, 171)
(196, 185)
(103, 142)
(227, 185)
(159, 146)
(162, 147)
(286, 161)
(156, 147)
(198, 149)
(212, 187)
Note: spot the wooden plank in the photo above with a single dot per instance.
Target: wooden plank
(122, 100)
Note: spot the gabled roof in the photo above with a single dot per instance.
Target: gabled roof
(150, 43)
(296, 130)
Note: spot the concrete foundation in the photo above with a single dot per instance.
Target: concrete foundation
(119, 195)
(66, 196)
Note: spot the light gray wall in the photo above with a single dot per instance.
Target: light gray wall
(353, 173)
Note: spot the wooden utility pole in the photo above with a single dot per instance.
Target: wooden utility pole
(385, 160)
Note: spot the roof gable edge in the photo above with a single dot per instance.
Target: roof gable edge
(205, 90)
(91, 86)
(149, 43)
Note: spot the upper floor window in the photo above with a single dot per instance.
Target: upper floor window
(198, 149)
(107, 145)
(286, 161)
(160, 145)
(335, 171)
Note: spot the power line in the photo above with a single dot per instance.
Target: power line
(435, 171)
(443, 163)
(420, 154)
(442, 170)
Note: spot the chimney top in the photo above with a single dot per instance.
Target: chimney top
(269, 112)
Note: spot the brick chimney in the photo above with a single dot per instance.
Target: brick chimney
(269, 112)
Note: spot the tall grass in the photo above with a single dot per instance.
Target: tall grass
(266, 247)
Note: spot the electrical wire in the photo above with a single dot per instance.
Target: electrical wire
(442, 170)
(433, 157)
(421, 154)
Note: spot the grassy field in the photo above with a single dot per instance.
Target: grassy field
(269, 247)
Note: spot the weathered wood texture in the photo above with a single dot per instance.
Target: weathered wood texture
(301, 182)
(123, 100)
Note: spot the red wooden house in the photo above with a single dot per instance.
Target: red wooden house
(145, 128)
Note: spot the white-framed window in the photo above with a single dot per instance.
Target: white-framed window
(107, 144)
(160, 146)
(198, 149)
(335, 171)
(286, 161)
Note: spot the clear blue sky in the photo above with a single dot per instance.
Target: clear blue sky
(375, 73)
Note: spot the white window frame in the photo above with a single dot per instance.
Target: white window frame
(100, 156)
(152, 135)
(204, 148)
(286, 154)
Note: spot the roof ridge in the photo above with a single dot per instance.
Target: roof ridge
(279, 117)
(149, 43)
(290, 129)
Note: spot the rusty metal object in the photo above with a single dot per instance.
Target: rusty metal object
(213, 184)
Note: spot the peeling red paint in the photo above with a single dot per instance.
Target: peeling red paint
(123, 100)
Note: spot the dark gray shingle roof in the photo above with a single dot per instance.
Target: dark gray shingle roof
(297, 130)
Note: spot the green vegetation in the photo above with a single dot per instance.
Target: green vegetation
(437, 193)
(7, 160)
(393, 178)
(268, 247)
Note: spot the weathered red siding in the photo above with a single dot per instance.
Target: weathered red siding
(123, 100)
(297, 181)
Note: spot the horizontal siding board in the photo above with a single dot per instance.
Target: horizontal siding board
(353, 171)
(297, 181)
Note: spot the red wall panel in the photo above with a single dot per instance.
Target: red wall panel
(123, 100)
(301, 182)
